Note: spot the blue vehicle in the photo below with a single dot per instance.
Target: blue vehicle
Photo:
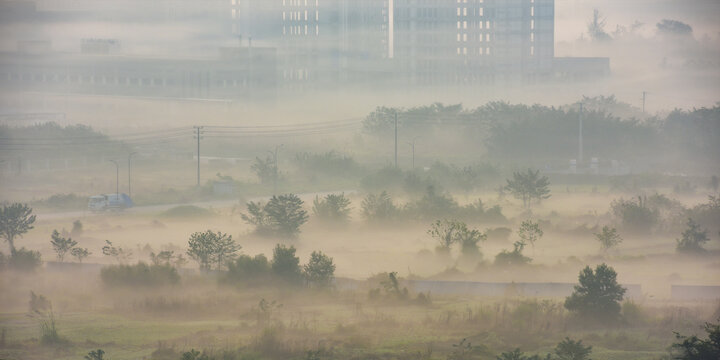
(109, 202)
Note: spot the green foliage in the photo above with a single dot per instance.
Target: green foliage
(530, 232)
(694, 348)
(285, 264)
(24, 260)
(379, 208)
(608, 238)
(15, 220)
(265, 169)
(250, 271)
(692, 238)
(77, 228)
(569, 349)
(61, 245)
(80, 253)
(281, 216)
(140, 274)
(119, 254)
(333, 208)
(597, 296)
(98, 354)
(319, 272)
(528, 186)
(449, 232)
(433, 205)
(517, 355)
(514, 257)
(329, 163)
(212, 249)
(635, 216)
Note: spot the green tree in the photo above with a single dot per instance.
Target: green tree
(61, 245)
(281, 216)
(265, 169)
(570, 349)
(517, 355)
(528, 186)
(530, 232)
(285, 264)
(95, 355)
(212, 249)
(319, 272)
(121, 255)
(80, 253)
(694, 348)
(287, 214)
(379, 208)
(598, 295)
(692, 238)
(608, 238)
(15, 220)
(333, 208)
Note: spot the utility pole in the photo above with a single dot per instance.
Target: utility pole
(198, 137)
(396, 137)
(580, 136)
(644, 98)
(117, 178)
(412, 144)
(130, 174)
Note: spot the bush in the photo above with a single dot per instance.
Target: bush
(285, 265)
(694, 348)
(433, 205)
(692, 238)
(379, 208)
(249, 270)
(319, 272)
(513, 258)
(597, 296)
(140, 274)
(635, 216)
(332, 209)
(24, 260)
(281, 216)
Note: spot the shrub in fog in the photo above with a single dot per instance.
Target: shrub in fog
(529, 186)
(77, 228)
(692, 239)
(248, 270)
(140, 274)
(635, 216)
(15, 220)
(433, 205)
(281, 216)
(212, 249)
(319, 272)
(265, 169)
(608, 238)
(332, 209)
(285, 264)
(98, 354)
(598, 295)
(328, 163)
(530, 232)
(450, 232)
(119, 254)
(695, 348)
(379, 208)
(80, 253)
(24, 260)
(570, 349)
(61, 245)
(514, 257)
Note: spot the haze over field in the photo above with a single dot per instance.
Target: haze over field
(363, 179)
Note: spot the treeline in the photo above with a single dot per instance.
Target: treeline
(537, 133)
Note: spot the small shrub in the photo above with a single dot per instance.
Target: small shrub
(379, 208)
(187, 211)
(140, 274)
(635, 216)
(692, 238)
(332, 209)
(513, 258)
(569, 349)
(98, 354)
